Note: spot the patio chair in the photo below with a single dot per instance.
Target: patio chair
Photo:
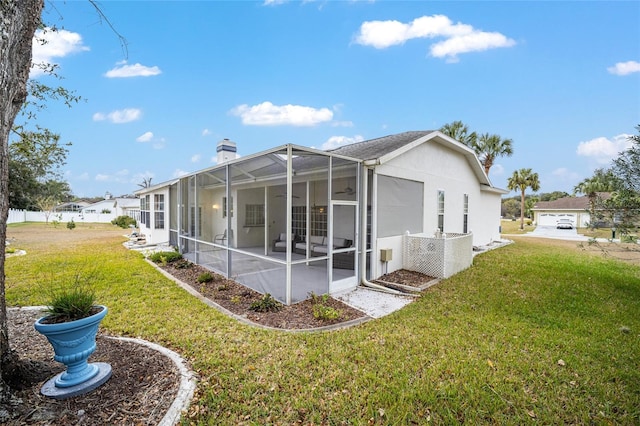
(221, 238)
(280, 244)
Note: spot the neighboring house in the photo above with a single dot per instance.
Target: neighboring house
(547, 213)
(72, 206)
(120, 206)
(295, 220)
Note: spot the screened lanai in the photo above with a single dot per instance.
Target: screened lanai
(283, 222)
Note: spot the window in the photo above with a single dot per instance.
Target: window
(224, 207)
(145, 215)
(441, 210)
(158, 207)
(465, 213)
(299, 220)
(254, 215)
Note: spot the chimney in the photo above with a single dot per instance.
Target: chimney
(226, 151)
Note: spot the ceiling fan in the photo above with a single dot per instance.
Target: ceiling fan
(285, 195)
(348, 190)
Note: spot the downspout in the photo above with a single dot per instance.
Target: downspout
(363, 241)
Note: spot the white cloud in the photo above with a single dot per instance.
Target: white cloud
(140, 177)
(179, 173)
(195, 158)
(268, 114)
(206, 132)
(119, 116)
(342, 124)
(603, 150)
(477, 41)
(145, 137)
(120, 176)
(338, 141)
(496, 170)
(49, 44)
(459, 38)
(135, 70)
(565, 174)
(624, 68)
(273, 2)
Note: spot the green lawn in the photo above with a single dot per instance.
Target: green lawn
(532, 333)
(511, 227)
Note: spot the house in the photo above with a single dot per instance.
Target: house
(118, 206)
(547, 213)
(293, 220)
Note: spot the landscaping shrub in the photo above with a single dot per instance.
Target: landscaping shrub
(323, 312)
(165, 257)
(205, 277)
(266, 304)
(71, 224)
(182, 264)
(124, 221)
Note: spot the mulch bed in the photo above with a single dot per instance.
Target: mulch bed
(237, 298)
(143, 385)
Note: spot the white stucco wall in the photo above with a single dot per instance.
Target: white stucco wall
(441, 168)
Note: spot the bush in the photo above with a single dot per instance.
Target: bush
(205, 277)
(165, 257)
(71, 224)
(323, 312)
(124, 221)
(71, 305)
(266, 304)
(183, 264)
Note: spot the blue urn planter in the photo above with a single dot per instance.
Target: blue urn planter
(73, 342)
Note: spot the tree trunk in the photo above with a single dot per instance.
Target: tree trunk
(18, 22)
(522, 210)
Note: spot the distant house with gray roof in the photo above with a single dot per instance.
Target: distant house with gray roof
(547, 213)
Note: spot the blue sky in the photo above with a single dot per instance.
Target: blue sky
(561, 79)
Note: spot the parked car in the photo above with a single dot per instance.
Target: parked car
(564, 224)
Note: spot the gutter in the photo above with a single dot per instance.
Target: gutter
(363, 240)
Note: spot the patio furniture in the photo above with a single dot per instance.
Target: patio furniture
(280, 244)
(220, 238)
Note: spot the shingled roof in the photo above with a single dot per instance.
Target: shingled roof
(568, 203)
(376, 148)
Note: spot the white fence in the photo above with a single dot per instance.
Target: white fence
(437, 257)
(18, 216)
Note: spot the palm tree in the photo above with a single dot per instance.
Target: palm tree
(459, 131)
(523, 179)
(146, 183)
(489, 147)
(601, 181)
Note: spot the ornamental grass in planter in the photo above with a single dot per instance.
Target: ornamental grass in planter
(71, 326)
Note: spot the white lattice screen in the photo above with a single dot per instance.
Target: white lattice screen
(437, 257)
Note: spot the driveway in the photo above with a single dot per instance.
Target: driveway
(561, 234)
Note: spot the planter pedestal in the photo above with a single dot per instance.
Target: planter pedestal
(51, 389)
(73, 342)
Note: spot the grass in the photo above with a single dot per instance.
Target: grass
(531, 333)
(511, 227)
